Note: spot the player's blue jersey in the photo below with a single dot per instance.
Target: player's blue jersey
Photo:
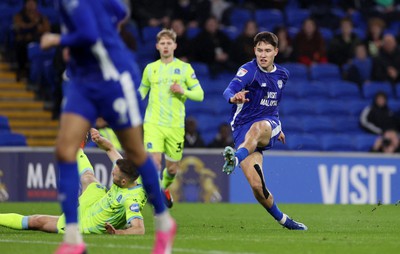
(265, 92)
(89, 31)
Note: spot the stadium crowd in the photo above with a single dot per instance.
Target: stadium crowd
(328, 46)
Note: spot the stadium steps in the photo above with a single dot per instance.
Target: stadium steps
(25, 114)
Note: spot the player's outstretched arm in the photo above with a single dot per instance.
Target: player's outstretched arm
(105, 145)
(136, 228)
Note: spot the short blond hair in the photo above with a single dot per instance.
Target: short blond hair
(166, 33)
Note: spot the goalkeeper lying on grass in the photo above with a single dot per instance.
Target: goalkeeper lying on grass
(116, 211)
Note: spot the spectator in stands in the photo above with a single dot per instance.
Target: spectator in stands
(360, 67)
(192, 12)
(127, 36)
(223, 138)
(342, 45)
(212, 46)
(192, 135)
(29, 24)
(152, 13)
(309, 45)
(221, 9)
(183, 50)
(242, 47)
(386, 65)
(388, 142)
(285, 45)
(378, 117)
(375, 30)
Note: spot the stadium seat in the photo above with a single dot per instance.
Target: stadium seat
(371, 88)
(331, 108)
(201, 70)
(364, 142)
(338, 142)
(342, 89)
(325, 72)
(295, 17)
(319, 125)
(292, 124)
(239, 16)
(191, 32)
(305, 142)
(231, 31)
(397, 90)
(297, 108)
(355, 106)
(4, 124)
(12, 139)
(394, 105)
(149, 34)
(326, 33)
(297, 71)
(347, 124)
(269, 18)
(316, 90)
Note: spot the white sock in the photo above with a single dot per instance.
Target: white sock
(163, 221)
(72, 234)
(283, 220)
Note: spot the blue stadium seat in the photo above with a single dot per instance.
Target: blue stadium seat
(316, 90)
(12, 139)
(371, 88)
(269, 18)
(325, 72)
(355, 106)
(149, 34)
(239, 16)
(292, 124)
(397, 90)
(348, 124)
(342, 89)
(297, 108)
(364, 142)
(232, 32)
(331, 108)
(201, 70)
(191, 32)
(338, 142)
(4, 124)
(37, 58)
(297, 71)
(326, 33)
(295, 17)
(305, 142)
(394, 105)
(319, 125)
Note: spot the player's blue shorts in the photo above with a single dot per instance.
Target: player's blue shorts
(240, 132)
(115, 101)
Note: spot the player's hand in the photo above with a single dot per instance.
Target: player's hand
(49, 40)
(175, 88)
(110, 229)
(282, 137)
(239, 97)
(101, 142)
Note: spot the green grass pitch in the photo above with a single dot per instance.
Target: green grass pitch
(234, 228)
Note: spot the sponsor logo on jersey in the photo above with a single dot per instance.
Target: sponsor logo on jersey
(177, 71)
(193, 76)
(241, 72)
(149, 145)
(119, 198)
(134, 207)
(263, 84)
(280, 84)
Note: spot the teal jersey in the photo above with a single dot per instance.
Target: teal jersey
(118, 207)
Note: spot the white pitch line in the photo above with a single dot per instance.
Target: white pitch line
(114, 246)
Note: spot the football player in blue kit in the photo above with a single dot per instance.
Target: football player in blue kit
(255, 93)
(102, 83)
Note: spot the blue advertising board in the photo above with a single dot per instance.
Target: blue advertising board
(327, 178)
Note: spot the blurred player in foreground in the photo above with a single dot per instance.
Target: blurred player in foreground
(170, 82)
(255, 93)
(116, 211)
(102, 82)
